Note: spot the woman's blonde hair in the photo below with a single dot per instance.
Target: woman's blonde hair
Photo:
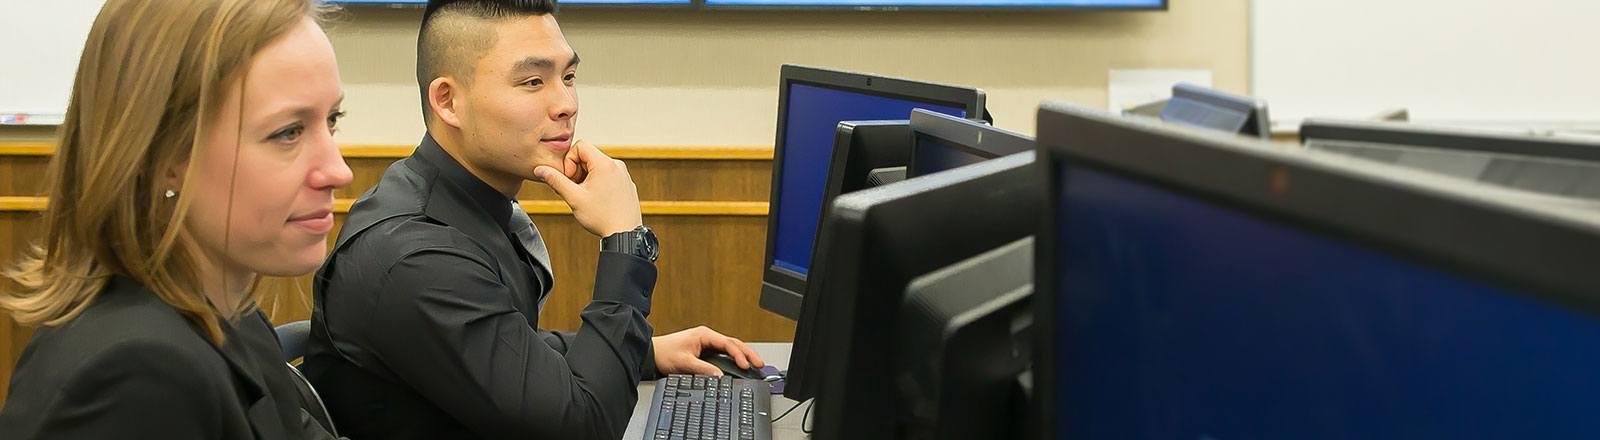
(152, 76)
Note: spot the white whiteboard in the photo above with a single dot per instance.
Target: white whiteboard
(1512, 63)
(40, 42)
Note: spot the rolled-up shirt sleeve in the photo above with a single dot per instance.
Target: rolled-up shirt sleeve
(455, 335)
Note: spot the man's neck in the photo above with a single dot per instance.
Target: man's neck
(451, 143)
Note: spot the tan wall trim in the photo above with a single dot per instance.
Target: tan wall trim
(26, 204)
(625, 152)
(701, 208)
(661, 208)
(376, 151)
(26, 149)
(11, 203)
(689, 153)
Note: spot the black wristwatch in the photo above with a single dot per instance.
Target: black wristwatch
(640, 242)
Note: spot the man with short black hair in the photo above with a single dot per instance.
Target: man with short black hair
(425, 323)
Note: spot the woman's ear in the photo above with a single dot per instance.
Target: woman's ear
(174, 178)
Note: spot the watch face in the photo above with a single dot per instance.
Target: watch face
(650, 245)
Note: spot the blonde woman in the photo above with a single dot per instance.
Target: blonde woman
(197, 154)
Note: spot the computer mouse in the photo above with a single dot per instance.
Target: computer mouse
(730, 367)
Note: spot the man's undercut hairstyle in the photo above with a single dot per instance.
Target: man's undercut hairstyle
(454, 35)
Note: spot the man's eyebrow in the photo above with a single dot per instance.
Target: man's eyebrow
(531, 64)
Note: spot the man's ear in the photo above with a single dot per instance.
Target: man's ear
(444, 95)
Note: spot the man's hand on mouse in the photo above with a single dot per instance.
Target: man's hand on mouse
(679, 353)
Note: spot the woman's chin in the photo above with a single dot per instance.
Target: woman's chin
(295, 265)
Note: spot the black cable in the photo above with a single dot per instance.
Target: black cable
(790, 410)
(803, 417)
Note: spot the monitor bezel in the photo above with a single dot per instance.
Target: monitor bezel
(970, 136)
(702, 5)
(1256, 122)
(1165, 5)
(952, 318)
(865, 281)
(801, 379)
(561, 6)
(1448, 138)
(843, 146)
(783, 290)
(1531, 247)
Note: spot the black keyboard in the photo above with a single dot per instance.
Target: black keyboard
(705, 407)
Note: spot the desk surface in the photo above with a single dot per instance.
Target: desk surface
(774, 353)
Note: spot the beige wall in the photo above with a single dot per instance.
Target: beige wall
(709, 78)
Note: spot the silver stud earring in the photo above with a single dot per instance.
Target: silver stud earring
(171, 194)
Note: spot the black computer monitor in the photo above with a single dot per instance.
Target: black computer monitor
(811, 104)
(1209, 108)
(859, 148)
(940, 142)
(1549, 165)
(873, 243)
(1314, 131)
(1192, 285)
(963, 343)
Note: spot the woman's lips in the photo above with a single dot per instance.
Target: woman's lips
(319, 222)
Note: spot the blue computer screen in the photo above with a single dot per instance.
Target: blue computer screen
(812, 117)
(564, 2)
(1178, 318)
(946, 3)
(931, 155)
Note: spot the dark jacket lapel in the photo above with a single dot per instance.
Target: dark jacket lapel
(260, 408)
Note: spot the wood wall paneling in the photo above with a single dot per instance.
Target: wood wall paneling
(16, 228)
(23, 175)
(656, 179)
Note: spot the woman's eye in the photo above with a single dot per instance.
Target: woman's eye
(333, 121)
(289, 134)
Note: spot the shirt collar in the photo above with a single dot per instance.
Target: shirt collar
(492, 203)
